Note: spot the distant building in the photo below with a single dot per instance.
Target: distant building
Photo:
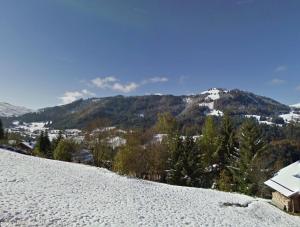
(286, 184)
(27, 147)
(116, 142)
(83, 156)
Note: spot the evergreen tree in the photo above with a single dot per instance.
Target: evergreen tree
(1, 130)
(47, 146)
(252, 146)
(56, 140)
(209, 141)
(193, 170)
(43, 146)
(226, 153)
(185, 166)
(175, 162)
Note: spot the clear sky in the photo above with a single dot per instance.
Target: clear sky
(55, 51)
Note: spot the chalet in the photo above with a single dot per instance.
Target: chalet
(286, 184)
(27, 147)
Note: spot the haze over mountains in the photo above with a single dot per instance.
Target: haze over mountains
(141, 111)
(8, 110)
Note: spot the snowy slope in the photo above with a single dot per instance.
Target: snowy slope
(290, 117)
(41, 192)
(8, 110)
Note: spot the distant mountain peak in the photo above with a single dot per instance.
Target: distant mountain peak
(214, 90)
(8, 110)
(295, 105)
(126, 111)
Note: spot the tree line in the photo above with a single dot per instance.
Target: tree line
(224, 157)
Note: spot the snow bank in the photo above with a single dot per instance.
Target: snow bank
(41, 192)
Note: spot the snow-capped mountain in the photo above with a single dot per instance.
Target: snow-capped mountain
(142, 111)
(43, 192)
(8, 110)
(295, 105)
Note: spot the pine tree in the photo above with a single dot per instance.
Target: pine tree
(185, 166)
(252, 146)
(43, 146)
(209, 141)
(226, 153)
(47, 146)
(1, 130)
(227, 148)
(193, 170)
(175, 162)
(56, 140)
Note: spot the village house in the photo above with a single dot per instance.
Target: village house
(27, 147)
(286, 184)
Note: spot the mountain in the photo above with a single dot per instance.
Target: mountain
(8, 110)
(296, 105)
(43, 192)
(141, 111)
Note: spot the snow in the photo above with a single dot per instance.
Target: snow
(257, 117)
(42, 192)
(286, 181)
(210, 105)
(32, 127)
(188, 100)
(216, 113)
(212, 112)
(117, 142)
(29, 144)
(8, 110)
(292, 116)
(213, 93)
(16, 123)
(295, 105)
(159, 137)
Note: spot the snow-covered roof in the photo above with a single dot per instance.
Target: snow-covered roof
(287, 180)
(29, 145)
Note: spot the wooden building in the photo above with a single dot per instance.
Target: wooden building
(286, 186)
(27, 147)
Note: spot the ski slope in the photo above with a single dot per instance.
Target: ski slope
(41, 192)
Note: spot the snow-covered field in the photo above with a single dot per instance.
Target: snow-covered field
(41, 192)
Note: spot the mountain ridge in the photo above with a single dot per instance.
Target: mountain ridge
(141, 111)
(9, 110)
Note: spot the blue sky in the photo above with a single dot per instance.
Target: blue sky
(55, 51)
